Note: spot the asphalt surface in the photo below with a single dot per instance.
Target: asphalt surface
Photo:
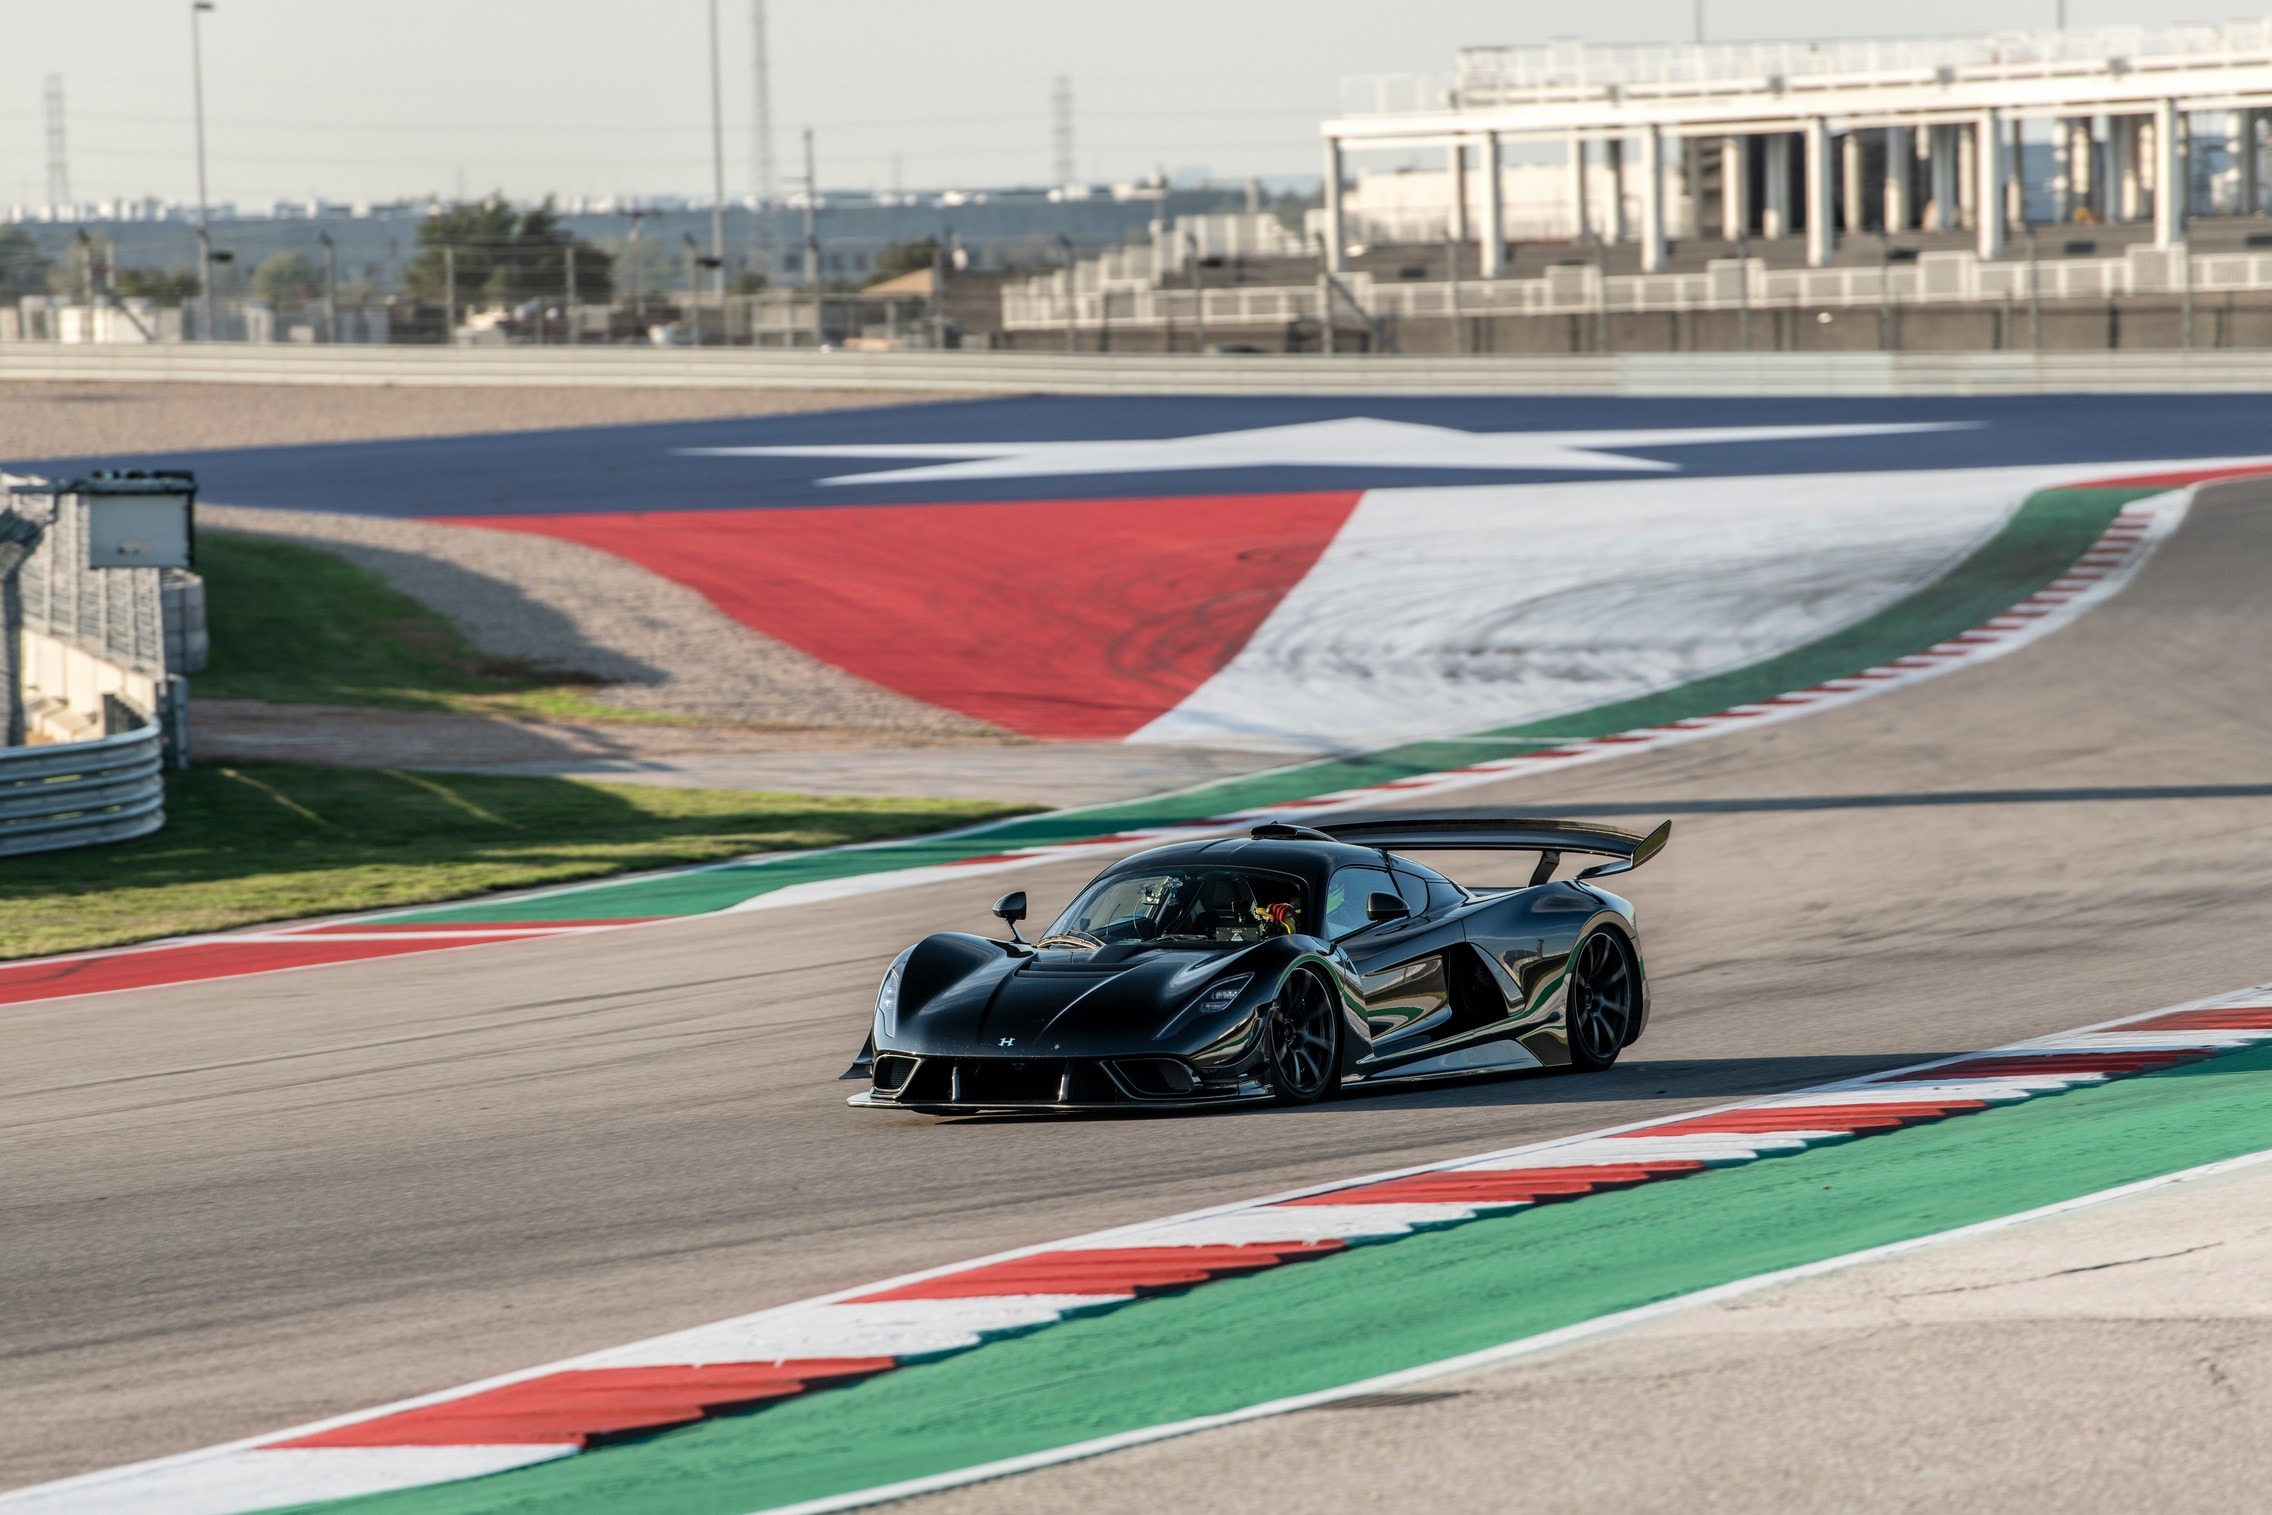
(230, 1207)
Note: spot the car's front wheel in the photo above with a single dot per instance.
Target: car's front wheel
(1304, 1041)
(1604, 998)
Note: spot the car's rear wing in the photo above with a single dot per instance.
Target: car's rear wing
(1473, 833)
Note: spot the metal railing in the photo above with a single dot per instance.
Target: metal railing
(1496, 77)
(80, 793)
(1954, 277)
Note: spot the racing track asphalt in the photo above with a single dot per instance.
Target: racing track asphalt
(236, 1206)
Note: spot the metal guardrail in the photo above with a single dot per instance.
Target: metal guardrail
(81, 793)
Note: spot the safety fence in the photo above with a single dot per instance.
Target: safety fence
(80, 793)
(1045, 303)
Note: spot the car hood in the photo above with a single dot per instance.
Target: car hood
(1116, 999)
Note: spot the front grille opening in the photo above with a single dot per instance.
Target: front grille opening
(932, 1082)
(1008, 1081)
(892, 1071)
(1157, 1077)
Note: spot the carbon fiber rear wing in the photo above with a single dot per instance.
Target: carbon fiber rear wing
(1469, 833)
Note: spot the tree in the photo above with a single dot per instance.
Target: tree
(286, 278)
(905, 258)
(167, 286)
(505, 256)
(23, 267)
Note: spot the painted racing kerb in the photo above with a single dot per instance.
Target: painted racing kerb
(2063, 552)
(909, 1342)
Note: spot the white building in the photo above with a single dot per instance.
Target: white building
(1537, 203)
(1808, 139)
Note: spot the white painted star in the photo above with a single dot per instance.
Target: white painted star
(1353, 442)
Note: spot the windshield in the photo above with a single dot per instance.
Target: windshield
(1185, 905)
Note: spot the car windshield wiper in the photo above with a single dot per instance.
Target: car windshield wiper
(1080, 939)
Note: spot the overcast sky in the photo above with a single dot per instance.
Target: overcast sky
(588, 97)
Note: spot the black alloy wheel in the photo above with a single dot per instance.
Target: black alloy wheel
(1304, 1032)
(1604, 998)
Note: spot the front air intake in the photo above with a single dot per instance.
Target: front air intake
(1006, 1081)
(1156, 1077)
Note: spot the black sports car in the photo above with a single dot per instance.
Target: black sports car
(1279, 965)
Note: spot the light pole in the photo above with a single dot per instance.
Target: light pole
(330, 288)
(1072, 309)
(717, 168)
(812, 245)
(197, 96)
(693, 291)
(638, 291)
(1198, 297)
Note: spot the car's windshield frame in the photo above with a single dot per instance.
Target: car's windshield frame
(1243, 927)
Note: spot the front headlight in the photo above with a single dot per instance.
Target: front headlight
(1222, 996)
(887, 1000)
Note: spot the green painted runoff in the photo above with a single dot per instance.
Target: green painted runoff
(1399, 1304)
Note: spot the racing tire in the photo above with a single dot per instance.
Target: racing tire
(1603, 1003)
(1303, 1041)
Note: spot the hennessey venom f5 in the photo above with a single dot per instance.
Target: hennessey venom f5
(1281, 966)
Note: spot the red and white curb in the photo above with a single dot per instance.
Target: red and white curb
(741, 1364)
(198, 959)
(2097, 576)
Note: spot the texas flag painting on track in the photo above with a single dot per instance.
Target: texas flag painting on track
(1304, 576)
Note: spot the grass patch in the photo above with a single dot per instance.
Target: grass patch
(297, 626)
(270, 841)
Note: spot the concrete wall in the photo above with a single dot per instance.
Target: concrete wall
(1629, 371)
(74, 696)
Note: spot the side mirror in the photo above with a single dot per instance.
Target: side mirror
(1385, 907)
(1011, 908)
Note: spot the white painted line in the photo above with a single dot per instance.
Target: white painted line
(1898, 1094)
(1267, 1223)
(907, 1329)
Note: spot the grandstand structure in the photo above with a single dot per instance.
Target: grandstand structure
(2073, 189)
(1811, 139)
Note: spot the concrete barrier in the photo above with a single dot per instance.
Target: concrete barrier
(1702, 373)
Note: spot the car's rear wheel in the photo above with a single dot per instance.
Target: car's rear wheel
(1304, 1031)
(1604, 998)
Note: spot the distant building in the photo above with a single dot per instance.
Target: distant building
(1809, 139)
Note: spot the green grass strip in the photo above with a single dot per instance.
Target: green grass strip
(254, 842)
(1395, 1305)
(294, 625)
(2042, 540)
